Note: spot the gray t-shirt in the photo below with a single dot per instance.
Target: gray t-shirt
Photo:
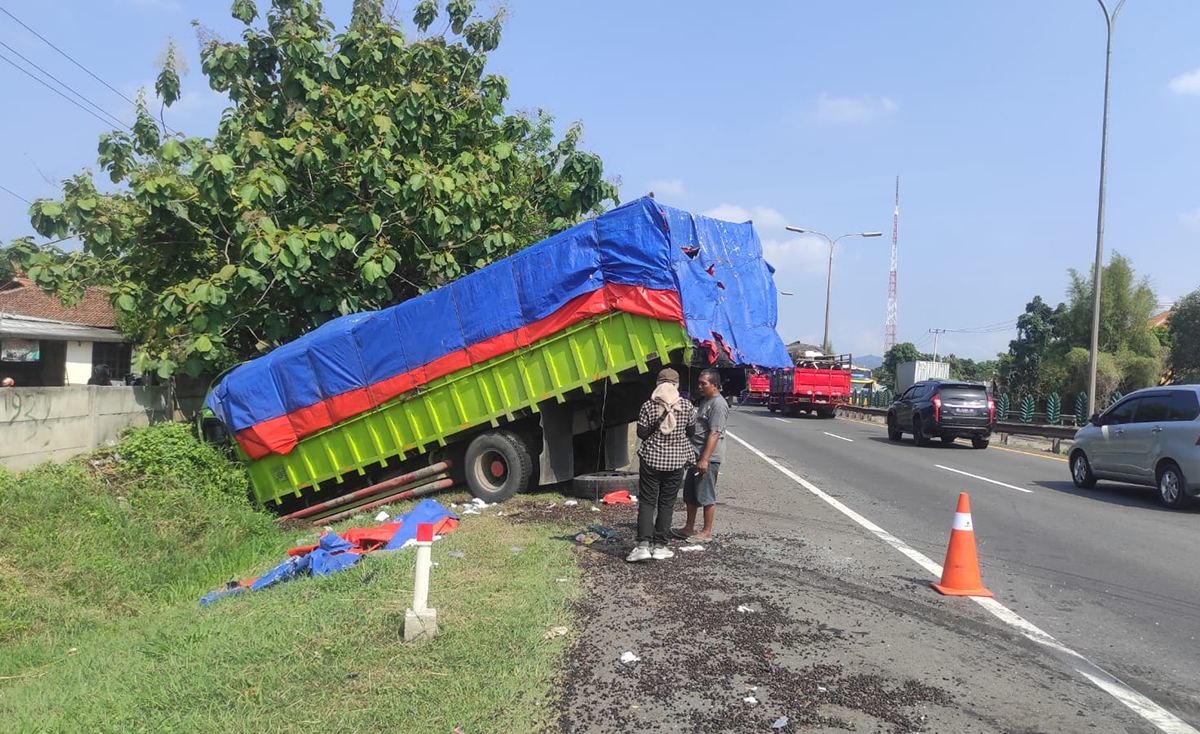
(710, 416)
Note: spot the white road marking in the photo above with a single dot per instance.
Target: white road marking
(1139, 704)
(834, 435)
(984, 479)
(781, 420)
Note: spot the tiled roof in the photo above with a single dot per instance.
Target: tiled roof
(1160, 319)
(23, 298)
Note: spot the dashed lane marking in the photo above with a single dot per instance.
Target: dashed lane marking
(840, 438)
(985, 479)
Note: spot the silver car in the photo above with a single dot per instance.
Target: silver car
(1151, 437)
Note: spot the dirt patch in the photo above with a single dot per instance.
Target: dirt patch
(709, 635)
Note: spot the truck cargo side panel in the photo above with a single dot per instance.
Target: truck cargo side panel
(490, 392)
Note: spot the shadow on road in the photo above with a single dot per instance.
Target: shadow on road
(933, 444)
(1128, 495)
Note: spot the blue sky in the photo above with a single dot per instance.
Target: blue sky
(791, 113)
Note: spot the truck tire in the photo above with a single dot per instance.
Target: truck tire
(498, 464)
(596, 485)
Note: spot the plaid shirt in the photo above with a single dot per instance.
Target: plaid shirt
(667, 451)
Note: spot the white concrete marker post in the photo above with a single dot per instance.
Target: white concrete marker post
(420, 621)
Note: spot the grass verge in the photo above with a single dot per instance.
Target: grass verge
(104, 631)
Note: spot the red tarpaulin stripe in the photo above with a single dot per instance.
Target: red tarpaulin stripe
(281, 434)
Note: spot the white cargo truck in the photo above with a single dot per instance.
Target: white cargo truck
(910, 373)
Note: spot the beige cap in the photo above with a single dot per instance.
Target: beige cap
(668, 375)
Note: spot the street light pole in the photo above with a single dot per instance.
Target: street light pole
(829, 278)
(1097, 272)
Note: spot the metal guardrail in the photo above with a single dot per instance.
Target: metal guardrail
(1015, 428)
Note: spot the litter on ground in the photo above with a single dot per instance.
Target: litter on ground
(456, 554)
(750, 700)
(781, 722)
(688, 548)
(333, 553)
(382, 517)
(744, 609)
(569, 503)
(629, 658)
(602, 530)
(554, 632)
(619, 498)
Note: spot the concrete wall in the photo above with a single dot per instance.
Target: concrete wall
(79, 362)
(40, 424)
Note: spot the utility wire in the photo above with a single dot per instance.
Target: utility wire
(14, 194)
(64, 85)
(52, 89)
(68, 56)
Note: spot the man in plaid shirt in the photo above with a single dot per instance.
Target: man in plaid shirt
(665, 425)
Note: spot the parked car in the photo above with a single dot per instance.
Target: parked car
(948, 409)
(1151, 437)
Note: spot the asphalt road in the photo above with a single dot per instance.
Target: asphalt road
(1107, 572)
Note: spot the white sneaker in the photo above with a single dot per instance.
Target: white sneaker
(662, 553)
(640, 553)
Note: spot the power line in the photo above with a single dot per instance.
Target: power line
(63, 84)
(18, 67)
(68, 56)
(14, 194)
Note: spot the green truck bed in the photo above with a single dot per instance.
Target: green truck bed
(491, 393)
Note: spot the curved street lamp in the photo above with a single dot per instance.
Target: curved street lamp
(825, 346)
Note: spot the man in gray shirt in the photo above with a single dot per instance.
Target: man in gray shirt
(700, 485)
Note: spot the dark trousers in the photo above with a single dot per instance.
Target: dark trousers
(657, 491)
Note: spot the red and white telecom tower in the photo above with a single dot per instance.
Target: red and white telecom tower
(889, 327)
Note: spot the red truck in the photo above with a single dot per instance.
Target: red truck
(817, 384)
(758, 387)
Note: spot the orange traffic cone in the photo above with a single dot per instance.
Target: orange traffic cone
(960, 572)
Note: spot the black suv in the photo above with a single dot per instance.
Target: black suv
(944, 408)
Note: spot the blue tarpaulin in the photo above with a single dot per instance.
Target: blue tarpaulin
(335, 553)
(642, 257)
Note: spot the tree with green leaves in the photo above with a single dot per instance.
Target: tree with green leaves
(8, 264)
(1184, 326)
(1037, 330)
(1126, 305)
(352, 171)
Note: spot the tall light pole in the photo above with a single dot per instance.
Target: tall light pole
(829, 279)
(1110, 20)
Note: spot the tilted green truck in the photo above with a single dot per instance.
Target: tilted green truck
(526, 372)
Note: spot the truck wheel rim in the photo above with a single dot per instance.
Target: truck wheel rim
(1169, 486)
(492, 469)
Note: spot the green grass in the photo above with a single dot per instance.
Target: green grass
(100, 575)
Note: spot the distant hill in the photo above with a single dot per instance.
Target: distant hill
(870, 361)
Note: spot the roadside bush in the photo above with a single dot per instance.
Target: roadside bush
(171, 450)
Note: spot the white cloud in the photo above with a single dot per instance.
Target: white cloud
(853, 110)
(1186, 84)
(1191, 219)
(789, 253)
(667, 187)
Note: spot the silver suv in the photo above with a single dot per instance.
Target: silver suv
(1151, 437)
